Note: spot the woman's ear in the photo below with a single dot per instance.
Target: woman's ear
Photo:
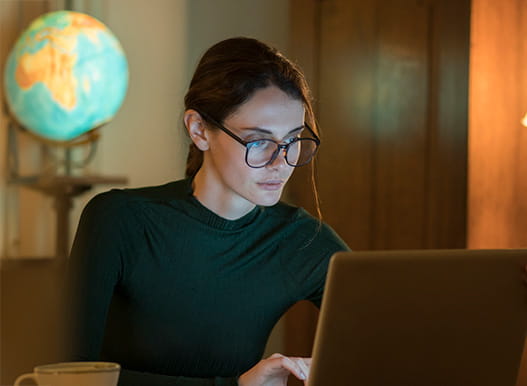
(196, 128)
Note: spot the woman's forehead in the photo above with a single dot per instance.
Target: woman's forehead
(269, 132)
(268, 109)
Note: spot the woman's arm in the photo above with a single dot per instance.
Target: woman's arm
(95, 269)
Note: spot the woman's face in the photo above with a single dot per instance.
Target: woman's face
(268, 114)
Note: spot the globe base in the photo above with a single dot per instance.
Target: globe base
(57, 181)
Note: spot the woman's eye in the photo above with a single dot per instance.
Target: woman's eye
(258, 144)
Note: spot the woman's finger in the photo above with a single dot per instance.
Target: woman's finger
(278, 363)
(304, 366)
(295, 368)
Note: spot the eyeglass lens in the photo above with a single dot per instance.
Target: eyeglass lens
(299, 152)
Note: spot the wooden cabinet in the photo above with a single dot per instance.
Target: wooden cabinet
(391, 89)
(498, 141)
(497, 156)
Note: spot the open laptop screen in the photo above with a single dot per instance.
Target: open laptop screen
(422, 317)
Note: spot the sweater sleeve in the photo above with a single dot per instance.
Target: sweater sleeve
(307, 267)
(95, 269)
(330, 244)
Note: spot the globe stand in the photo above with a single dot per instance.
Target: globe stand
(61, 187)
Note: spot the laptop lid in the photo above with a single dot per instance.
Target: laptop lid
(422, 317)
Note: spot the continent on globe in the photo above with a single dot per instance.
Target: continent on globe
(66, 75)
(54, 69)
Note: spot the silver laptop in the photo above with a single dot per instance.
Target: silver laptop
(422, 318)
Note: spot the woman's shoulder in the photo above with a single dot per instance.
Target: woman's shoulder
(118, 200)
(307, 226)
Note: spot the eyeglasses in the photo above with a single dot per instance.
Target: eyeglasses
(298, 151)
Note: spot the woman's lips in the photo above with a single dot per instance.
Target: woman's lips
(271, 185)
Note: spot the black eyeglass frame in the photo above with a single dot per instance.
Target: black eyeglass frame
(279, 147)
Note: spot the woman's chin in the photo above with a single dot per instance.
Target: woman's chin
(269, 199)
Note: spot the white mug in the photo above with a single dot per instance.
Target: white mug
(74, 374)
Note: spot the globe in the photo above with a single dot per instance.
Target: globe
(66, 75)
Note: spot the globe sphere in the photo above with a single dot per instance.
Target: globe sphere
(66, 74)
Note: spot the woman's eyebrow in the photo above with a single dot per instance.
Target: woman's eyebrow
(269, 132)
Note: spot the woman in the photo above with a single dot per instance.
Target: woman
(182, 283)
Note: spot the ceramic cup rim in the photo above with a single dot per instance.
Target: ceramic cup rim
(77, 367)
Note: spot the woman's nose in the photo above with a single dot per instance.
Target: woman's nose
(280, 158)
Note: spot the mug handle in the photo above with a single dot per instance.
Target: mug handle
(25, 376)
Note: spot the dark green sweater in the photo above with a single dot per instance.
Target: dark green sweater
(180, 296)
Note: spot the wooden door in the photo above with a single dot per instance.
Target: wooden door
(390, 79)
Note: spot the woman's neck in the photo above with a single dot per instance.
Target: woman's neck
(219, 199)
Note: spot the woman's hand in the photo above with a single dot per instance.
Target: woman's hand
(275, 370)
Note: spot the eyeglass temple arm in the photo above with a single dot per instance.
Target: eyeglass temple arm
(317, 139)
(222, 128)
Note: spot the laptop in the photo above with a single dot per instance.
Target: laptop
(422, 318)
